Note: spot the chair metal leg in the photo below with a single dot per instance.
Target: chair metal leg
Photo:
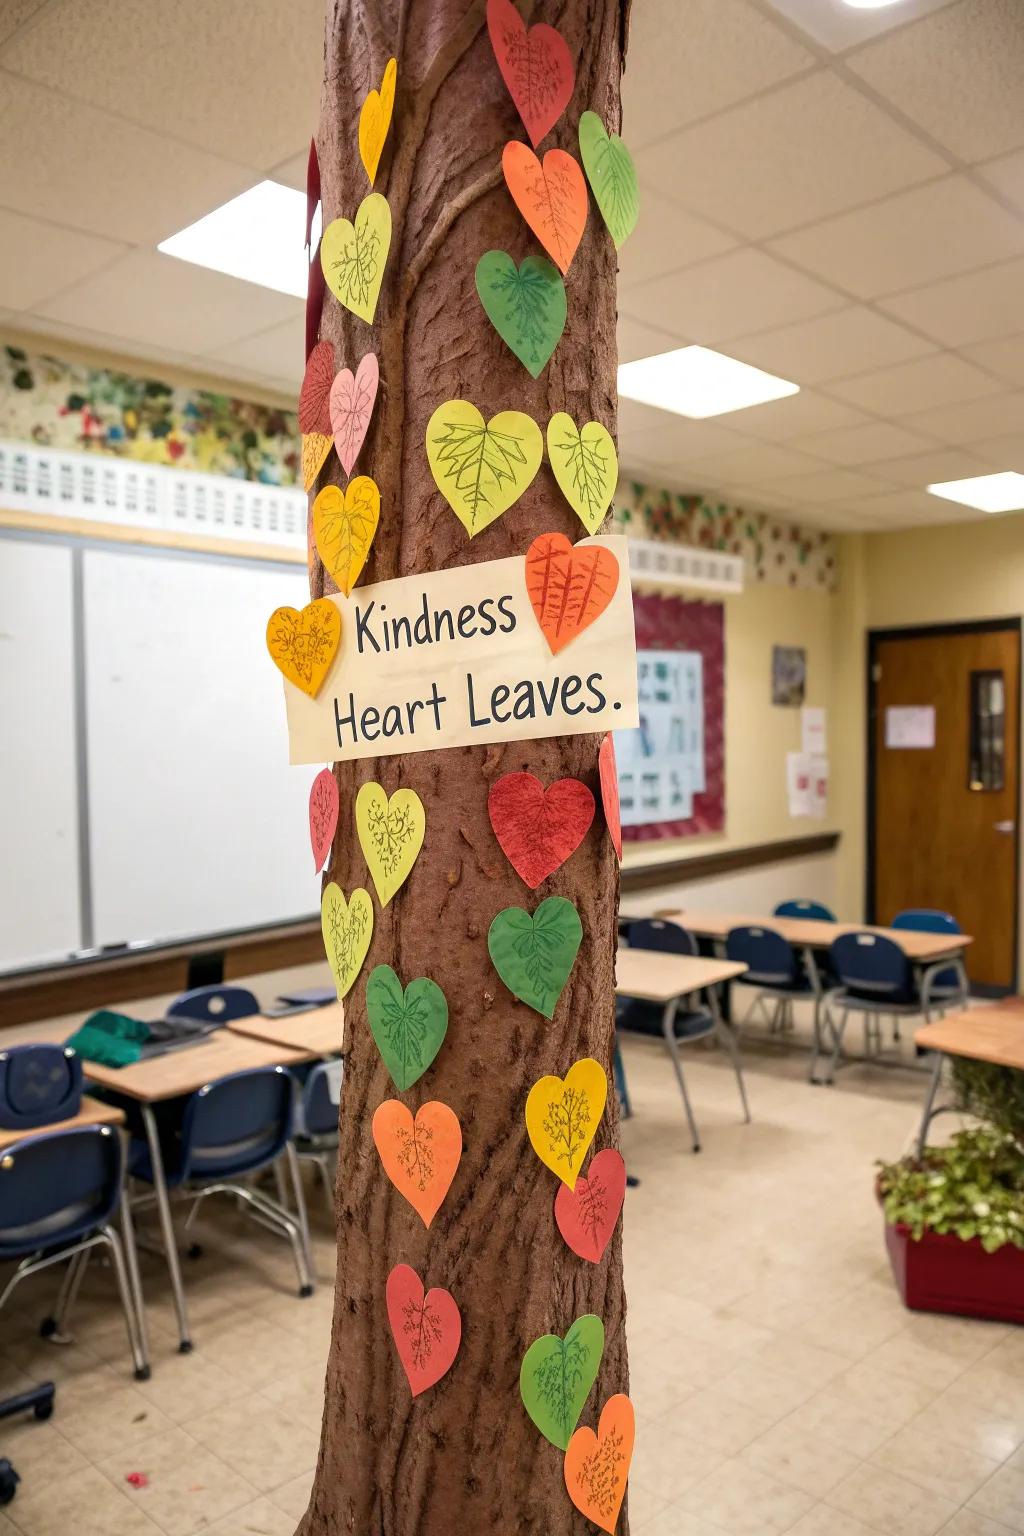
(668, 1030)
(291, 1157)
(131, 1259)
(68, 1294)
(724, 1033)
(139, 1355)
(163, 1206)
(619, 1073)
(928, 1113)
(837, 1047)
(281, 1187)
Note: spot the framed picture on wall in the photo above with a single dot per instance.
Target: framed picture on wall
(789, 675)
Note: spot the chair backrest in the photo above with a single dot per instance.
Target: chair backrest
(871, 964)
(926, 920)
(319, 1110)
(813, 911)
(656, 933)
(39, 1084)
(237, 1124)
(215, 1005)
(770, 959)
(56, 1187)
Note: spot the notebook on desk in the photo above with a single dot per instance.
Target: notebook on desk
(301, 1001)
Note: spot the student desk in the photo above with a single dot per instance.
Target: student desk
(993, 1034)
(92, 1112)
(811, 933)
(318, 1031)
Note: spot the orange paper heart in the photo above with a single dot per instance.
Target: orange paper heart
(552, 198)
(315, 448)
(569, 585)
(420, 1156)
(597, 1466)
(303, 645)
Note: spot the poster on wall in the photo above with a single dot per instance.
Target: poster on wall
(789, 675)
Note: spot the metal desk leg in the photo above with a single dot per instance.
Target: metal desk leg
(929, 1103)
(131, 1258)
(668, 1030)
(163, 1206)
(300, 1203)
(724, 1032)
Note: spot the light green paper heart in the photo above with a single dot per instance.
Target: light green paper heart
(526, 305)
(533, 954)
(353, 255)
(556, 1376)
(612, 176)
(409, 1027)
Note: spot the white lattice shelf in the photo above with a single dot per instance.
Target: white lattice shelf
(677, 568)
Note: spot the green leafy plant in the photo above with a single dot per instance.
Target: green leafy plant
(974, 1187)
(991, 1093)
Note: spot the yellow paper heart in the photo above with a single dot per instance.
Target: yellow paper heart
(586, 467)
(347, 927)
(353, 256)
(562, 1116)
(315, 448)
(390, 835)
(480, 467)
(344, 523)
(375, 120)
(303, 644)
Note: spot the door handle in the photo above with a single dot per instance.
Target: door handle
(1004, 826)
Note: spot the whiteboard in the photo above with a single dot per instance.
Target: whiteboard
(39, 916)
(196, 821)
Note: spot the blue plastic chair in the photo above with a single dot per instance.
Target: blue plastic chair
(317, 1139)
(950, 983)
(875, 978)
(812, 911)
(214, 1005)
(656, 933)
(777, 971)
(39, 1085)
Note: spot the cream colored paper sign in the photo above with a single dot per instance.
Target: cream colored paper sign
(455, 658)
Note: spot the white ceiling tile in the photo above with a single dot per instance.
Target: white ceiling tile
(742, 291)
(831, 346)
(836, 26)
(973, 307)
(1003, 357)
(972, 421)
(666, 238)
(799, 153)
(1001, 452)
(14, 14)
(830, 485)
(861, 445)
(1006, 174)
(37, 260)
(920, 469)
(292, 172)
(958, 74)
(763, 461)
(915, 386)
(905, 241)
(900, 508)
(782, 420)
(663, 437)
(638, 340)
(278, 353)
(688, 58)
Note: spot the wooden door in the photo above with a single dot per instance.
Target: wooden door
(944, 793)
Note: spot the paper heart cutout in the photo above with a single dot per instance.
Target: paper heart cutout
(596, 1466)
(344, 523)
(536, 66)
(420, 1156)
(586, 1215)
(526, 305)
(538, 828)
(312, 189)
(323, 816)
(426, 1329)
(569, 586)
(585, 465)
(303, 644)
(612, 176)
(562, 1116)
(347, 927)
(390, 835)
(352, 397)
(408, 1026)
(556, 1376)
(533, 954)
(315, 448)
(551, 195)
(316, 289)
(609, 776)
(375, 120)
(353, 256)
(480, 467)
(315, 394)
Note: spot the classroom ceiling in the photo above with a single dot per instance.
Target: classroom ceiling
(833, 195)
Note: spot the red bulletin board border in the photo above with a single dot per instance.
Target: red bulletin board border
(673, 624)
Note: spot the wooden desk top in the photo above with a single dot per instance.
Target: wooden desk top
(92, 1112)
(658, 978)
(810, 933)
(185, 1070)
(318, 1031)
(984, 1034)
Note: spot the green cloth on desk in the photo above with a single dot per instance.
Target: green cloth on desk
(112, 1039)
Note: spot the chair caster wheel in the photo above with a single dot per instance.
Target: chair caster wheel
(195, 1250)
(143, 1373)
(305, 1290)
(48, 1327)
(185, 1347)
(9, 1481)
(44, 1410)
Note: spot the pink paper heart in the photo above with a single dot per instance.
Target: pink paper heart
(352, 401)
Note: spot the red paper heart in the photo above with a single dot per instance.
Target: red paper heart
(427, 1329)
(536, 66)
(539, 828)
(569, 586)
(312, 189)
(586, 1215)
(323, 816)
(316, 292)
(315, 394)
(609, 776)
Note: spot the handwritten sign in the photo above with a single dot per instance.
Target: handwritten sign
(457, 657)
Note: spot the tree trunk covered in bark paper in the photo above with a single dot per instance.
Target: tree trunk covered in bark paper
(463, 1459)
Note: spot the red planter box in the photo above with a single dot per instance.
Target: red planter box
(942, 1273)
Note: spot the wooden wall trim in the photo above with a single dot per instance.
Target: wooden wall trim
(726, 861)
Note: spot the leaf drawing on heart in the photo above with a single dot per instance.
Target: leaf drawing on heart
(343, 935)
(552, 196)
(314, 411)
(345, 523)
(537, 79)
(612, 176)
(305, 646)
(567, 592)
(322, 807)
(423, 1327)
(405, 1025)
(559, 1376)
(351, 406)
(541, 946)
(416, 1155)
(390, 831)
(586, 459)
(567, 1123)
(357, 265)
(603, 1470)
(531, 311)
(593, 1207)
(480, 462)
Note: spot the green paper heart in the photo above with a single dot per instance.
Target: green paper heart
(533, 955)
(408, 1026)
(556, 1376)
(526, 305)
(612, 176)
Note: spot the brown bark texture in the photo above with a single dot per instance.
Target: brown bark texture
(463, 1459)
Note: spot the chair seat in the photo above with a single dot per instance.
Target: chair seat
(792, 986)
(693, 1026)
(875, 1002)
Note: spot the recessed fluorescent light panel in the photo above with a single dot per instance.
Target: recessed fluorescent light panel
(987, 493)
(257, 237)
(869, 5)
(694, 381)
